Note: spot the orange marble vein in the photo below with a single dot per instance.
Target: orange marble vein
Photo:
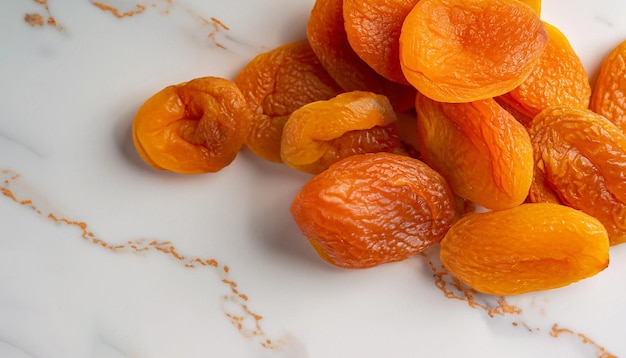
(37, 19)
(116, 12)
(239, 299)
(459, 291)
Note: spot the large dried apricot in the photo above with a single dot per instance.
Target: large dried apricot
(609, 92)
(558, 79)
(327, 35)
(373, 30)
(531, 247)
(276, 83)
(484, 153)
(370, 209)
(320, 133)
(463, 51)
(193, 127)
(580, 161)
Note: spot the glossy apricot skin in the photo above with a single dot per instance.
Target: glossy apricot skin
(463, 51)
(276, 83)
(484, 153)
(609, 92)
(580, 161)
(534, 4)
(371, 209)
(373, 31)
(193, 127)
(531, 247)
(559, 79)
(327, 35)
(323, 132)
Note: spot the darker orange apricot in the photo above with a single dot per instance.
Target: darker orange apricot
(276, 83)
(373, 30)
(371, 209)
(327, 35)
(463, 51)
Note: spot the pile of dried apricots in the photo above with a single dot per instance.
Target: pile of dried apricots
(413, 114)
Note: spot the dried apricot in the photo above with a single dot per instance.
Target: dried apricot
(535, 4)
(558, 79)
(531, 247)
(373, 31)
(370, 209)
(327, 35)
(609, 92)
(193, 127)
(580, 161)
(276, 83)
(463, 51)
(484, 153)
(320, 133)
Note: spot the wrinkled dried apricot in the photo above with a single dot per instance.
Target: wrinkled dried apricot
(327, 35)
(463, 51)
(373, 31)
(320, 133)
(193, 127)
(276, 83)
(580, 161)
(370, 209)
(484, 153)
(531, 247)
(558, 79)
(609, 92)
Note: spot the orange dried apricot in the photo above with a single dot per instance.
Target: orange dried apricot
(320, 133)
(463, 51)
(580, 161)
(193, 127)
(558, 79)
(609, 92)
(327, 35)
(373, 31)
(370, 209)
(484, 153)
(276, 83)
(531, 247)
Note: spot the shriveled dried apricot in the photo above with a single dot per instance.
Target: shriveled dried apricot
(484, 153)
(370, 209)
(193, 127)
(373, 31)
(558, 79)
(320, 133)
(580, 161)
(528, 248)
(609, 92)
(463, 51)
(276, 83)
(327, 35)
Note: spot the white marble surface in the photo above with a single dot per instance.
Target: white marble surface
(103, 257)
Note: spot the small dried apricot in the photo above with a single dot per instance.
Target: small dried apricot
(320, 133)
(327, 35)
(609, 93)
(558, 79)
(193, 127)
(276, 83)
(373, 30)
(463, 51)
(484, 153)
(531, 247)
(370, 209)
(580, 161)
